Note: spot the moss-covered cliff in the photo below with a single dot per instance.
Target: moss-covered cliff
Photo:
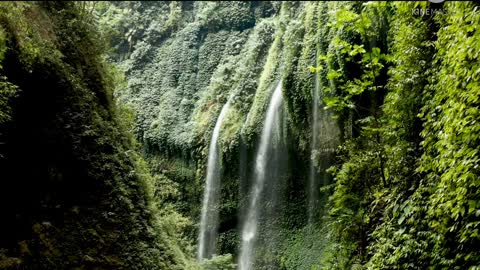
(75, 194)
(371, 63)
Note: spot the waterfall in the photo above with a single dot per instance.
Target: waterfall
(325, 139)
(211, 195)
(313, 187)
(249, 230)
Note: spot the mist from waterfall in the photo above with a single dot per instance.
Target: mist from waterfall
(313, 177)
(211, 196)
(325, 139)
(272, 126)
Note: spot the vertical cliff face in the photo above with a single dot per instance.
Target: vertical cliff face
(351, 76)
(74, 193)
(184, 60)
(182, 72)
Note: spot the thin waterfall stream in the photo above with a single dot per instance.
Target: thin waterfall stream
(250, 226)
(313, 187)
(211, 197)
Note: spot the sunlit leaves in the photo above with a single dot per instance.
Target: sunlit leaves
(451, 137)
(370, 59)
(315, 69)
(7, 92)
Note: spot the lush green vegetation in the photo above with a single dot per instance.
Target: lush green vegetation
(404, 195)
(107, 111)
(75, 193)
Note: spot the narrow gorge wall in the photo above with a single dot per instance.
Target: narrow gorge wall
(74, 191)
(358, 122)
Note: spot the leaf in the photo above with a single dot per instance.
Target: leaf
(401, 219)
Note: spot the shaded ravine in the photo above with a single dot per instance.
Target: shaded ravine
(211, 196)
(250, 226)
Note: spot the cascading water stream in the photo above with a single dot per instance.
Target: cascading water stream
(313, 192)
(249, 230)
(210, 205)
(325, 138)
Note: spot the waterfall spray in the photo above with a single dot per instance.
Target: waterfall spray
(313, 187)
(211, 196)
(249, 230)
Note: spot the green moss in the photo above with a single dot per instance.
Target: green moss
(264, 89)
(87, 199)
